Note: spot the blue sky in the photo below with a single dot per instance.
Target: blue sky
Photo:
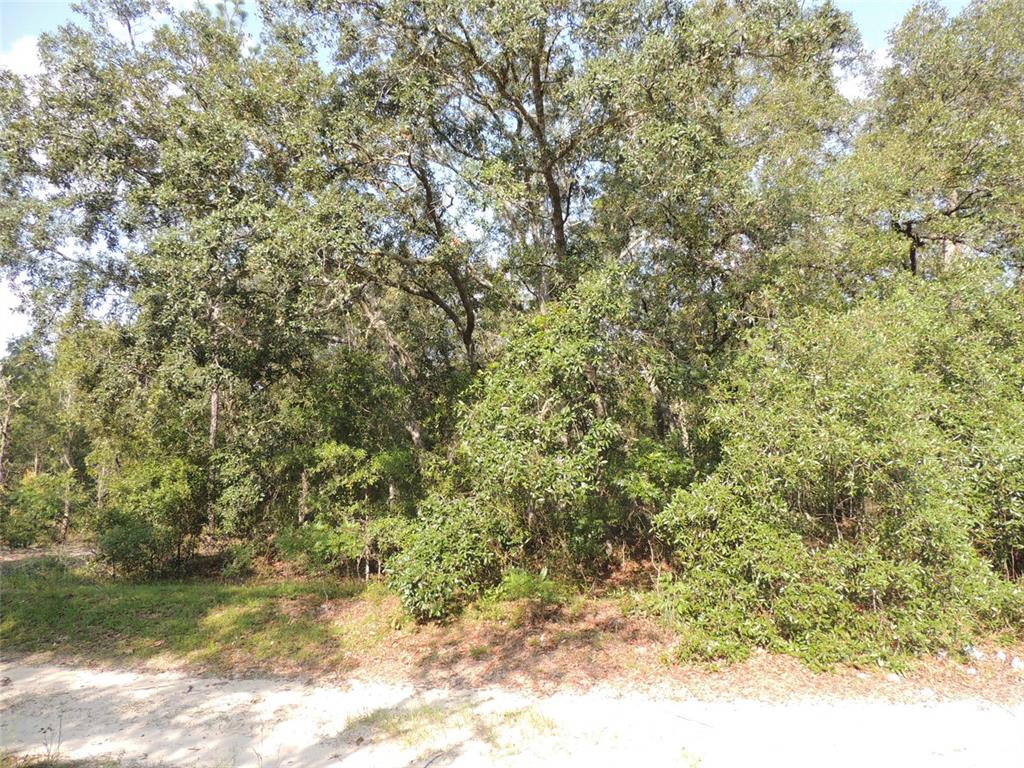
(21, 21)
(876, 17)
(20, 18)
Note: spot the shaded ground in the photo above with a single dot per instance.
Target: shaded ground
(70, 552)
(341, 631)
(178, 720)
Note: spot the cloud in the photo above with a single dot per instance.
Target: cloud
(22, 57)
(856, 86)
(12, 322)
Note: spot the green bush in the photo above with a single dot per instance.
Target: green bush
(133, 545)
(344, 544)
(22, 529)
(716, 616)
(240, 491)
(239, 560)
(387, 536)
(34, 507)
(322, 546)
(848, 513)
(455, 551)
(352, 507)
(563, 428)
(520, 584)
(152, 516)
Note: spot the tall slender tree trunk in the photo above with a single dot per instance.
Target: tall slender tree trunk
(907, 230)
(412, 426)
(304, 497)
(211, 467)
(547, 159)
(65, 520)
(211, 470)
(4, 432)
(101, 485)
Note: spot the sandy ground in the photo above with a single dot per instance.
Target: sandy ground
(174, 719)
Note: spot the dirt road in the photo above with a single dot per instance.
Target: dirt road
(174, 719)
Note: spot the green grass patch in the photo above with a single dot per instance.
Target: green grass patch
(50, 607)
(412, 725)
(416, 724)
(522, 597)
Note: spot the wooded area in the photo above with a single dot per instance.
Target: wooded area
(459, 293)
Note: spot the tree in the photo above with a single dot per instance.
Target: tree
(43, 481)
(940, 161)
(445, 290)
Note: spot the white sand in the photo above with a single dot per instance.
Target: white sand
(174, 719)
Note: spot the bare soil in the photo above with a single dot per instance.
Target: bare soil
(174, 719)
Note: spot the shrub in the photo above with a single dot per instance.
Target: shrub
(240, 490)
(845, 517)
(34, 507)
(152, 516)
(134, 545)
(716, 616)
(563, 428)
(387, 536)
(322, 546)
(21, 529)
(239, 560)
(520, 584)
(454, 553)
(341, 543)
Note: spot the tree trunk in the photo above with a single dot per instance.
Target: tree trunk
(211, 471)
(65, 520)
(547, 158)
(101, 485)
(211, 467)
(412, 426)
(3, 441)
(907, 230)
(304, 497)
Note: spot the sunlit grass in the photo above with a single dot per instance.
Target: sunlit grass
(49, 607)
(416, 724)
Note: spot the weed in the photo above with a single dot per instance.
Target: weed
(478, 652)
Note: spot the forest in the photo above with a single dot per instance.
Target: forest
(519, 294)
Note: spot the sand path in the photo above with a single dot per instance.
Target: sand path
(178, 720)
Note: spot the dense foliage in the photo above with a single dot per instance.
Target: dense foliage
(463, 293)
(865, 474)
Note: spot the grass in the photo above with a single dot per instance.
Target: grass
(480, 652)
(411, 725)
(303, 626)
(48, 606)
(436, 722)
(300, 625)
